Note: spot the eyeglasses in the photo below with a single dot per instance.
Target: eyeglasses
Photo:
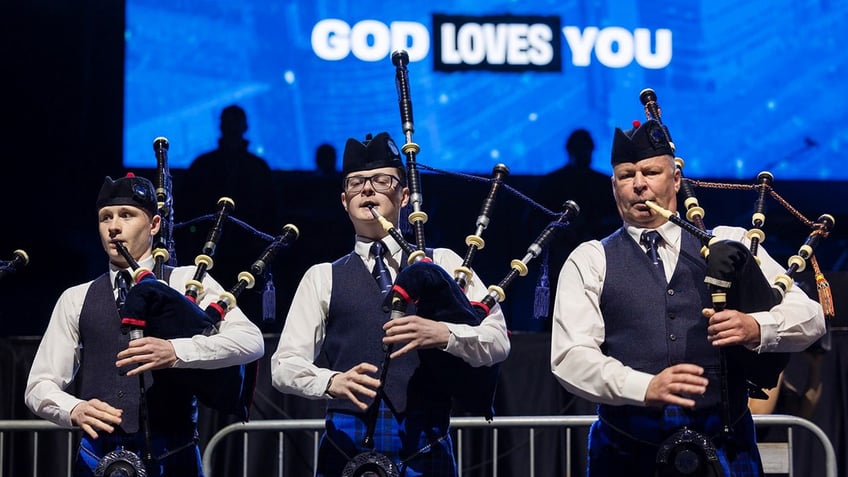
(380, 183)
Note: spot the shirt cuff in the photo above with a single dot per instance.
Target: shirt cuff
(327, 387)
(768, 332)
(635, 387)
(66, 405)
(184, 349)
(457, 332)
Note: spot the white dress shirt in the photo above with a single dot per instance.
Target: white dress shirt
(57, 360)
(292, 365)
(578, 326)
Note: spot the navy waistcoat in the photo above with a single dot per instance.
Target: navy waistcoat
(170, 408)
(651, 325)
(354, 334)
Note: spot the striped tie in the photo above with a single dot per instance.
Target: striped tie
(380, 271)
(122, 283)
(652, 239)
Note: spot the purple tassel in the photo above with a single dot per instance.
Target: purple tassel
(541, 301)
(269, 300)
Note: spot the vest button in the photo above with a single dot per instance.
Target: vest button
(121, 394)
(670, 292)
(671, 316)
(672, 337)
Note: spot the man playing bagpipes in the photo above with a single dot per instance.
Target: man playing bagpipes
(331, 346)
(137, 416)
(635, 331)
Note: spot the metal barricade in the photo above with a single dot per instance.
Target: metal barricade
(780, 451)
(460, 424)
(37, 428)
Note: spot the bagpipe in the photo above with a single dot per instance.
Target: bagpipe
(160, 311)
(165, 313)
(153, 308)
(733, 272)
(438, 296)
(735, 281)
(19, 261)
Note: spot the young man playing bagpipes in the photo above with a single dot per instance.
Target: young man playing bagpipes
(136, 413)
(332, 343)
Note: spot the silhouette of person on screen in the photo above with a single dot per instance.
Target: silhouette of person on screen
(325, 161)
(229, 171)
(232, 171)
(577, 181)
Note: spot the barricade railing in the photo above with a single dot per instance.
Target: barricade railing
(37, 428)
(459, 424)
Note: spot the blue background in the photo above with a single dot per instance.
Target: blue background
(751, 86)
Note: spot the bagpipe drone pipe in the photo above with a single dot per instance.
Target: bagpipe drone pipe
(163, 242)
(166, 313)
(8, 267)
(433, 293)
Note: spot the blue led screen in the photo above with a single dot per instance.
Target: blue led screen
(743, 86)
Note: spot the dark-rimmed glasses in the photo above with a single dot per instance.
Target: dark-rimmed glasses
(380, 183)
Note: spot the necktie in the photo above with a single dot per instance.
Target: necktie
(122, 283)
(651, 239)
(380, 271)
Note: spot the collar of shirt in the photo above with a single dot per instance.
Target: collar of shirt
(113, 270)
(393, 255)
(669, 232)
(669, 250)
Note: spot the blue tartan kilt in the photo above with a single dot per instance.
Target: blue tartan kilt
(623, 442)
(418, 444)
